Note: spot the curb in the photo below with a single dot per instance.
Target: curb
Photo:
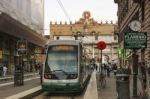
(28, 94)
(12, 77)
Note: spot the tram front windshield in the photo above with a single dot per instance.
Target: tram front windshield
(62, 62)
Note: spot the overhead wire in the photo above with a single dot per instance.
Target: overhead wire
(64, 10)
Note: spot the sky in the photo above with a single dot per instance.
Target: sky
(99, 9)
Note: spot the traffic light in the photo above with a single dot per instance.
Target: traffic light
(120, 52)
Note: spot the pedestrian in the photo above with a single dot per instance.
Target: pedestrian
(108, 69)
(41, 71)
(114, 69)
(1, 70)
(40, 68)
(103, 69)
(96, 67)
(36, 66)
(143, 77)
(4, 70)
(92, 62)
(148, 70)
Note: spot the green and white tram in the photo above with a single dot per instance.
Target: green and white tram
(65, 68)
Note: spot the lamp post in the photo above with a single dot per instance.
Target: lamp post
(93, 52)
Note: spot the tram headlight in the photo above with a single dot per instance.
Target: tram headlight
(46, 76)
(50, 76)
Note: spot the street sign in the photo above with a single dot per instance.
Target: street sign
(135, 40)
(101, 45)
(22, 46)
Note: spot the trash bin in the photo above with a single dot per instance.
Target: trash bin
(18, 78)
(122, 86)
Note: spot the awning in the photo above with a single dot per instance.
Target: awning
(15, 28)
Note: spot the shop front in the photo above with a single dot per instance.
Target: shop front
(11, 31)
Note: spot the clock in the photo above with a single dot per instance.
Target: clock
(135, 25)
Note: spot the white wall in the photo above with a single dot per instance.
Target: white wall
(28, 12)
(90, 39)
(37, 15)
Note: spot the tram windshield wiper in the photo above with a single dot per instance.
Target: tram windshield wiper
(61, 71)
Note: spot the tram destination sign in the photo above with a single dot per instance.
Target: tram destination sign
(135, 40)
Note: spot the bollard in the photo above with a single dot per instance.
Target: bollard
(18, 78)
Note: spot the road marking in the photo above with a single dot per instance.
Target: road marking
(24, 93)
(9, 83)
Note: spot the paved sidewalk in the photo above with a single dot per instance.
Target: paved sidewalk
(110, 91)
(11, 76)
(30, 86)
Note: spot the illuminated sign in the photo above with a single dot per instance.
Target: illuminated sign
(1, 54)
(22, 46)
(63, 48)
(37, 50)
(120, 52)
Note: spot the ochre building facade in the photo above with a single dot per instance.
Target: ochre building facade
(90, 32)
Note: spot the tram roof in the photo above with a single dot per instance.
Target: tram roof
(68, 42)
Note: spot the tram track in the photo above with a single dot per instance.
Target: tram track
(46, 95)
(90, 92)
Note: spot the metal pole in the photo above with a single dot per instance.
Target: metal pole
(100, 61)
(135, 70)
(93, 51)
(22, 78)
(120, 63)
(101, 57)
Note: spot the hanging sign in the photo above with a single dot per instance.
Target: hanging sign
(135, 40)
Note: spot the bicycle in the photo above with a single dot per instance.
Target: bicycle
(102, 80)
